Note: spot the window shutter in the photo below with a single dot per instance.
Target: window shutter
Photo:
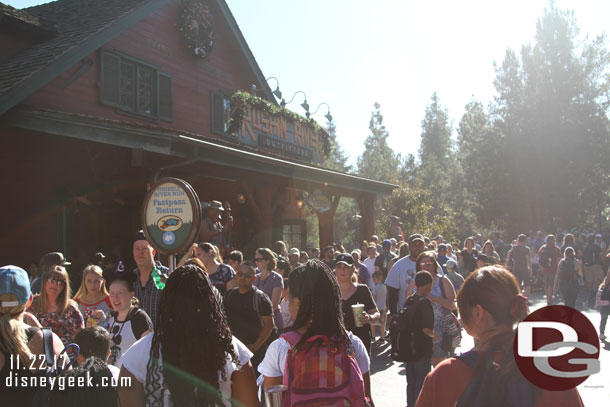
(110, 77)
(218, 113)
(166, 97)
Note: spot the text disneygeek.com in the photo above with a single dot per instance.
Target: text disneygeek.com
(15, 380)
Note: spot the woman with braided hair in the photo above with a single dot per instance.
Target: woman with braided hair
(490, 305)
(191, 359)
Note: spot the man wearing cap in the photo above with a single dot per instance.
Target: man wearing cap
(47, 262)
(146, 289)
(451, 273)
(402, 274)
(211, 228)
(385, 257)
(293, 258)
(442, 256)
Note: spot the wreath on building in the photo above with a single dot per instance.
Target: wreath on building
(196, 27)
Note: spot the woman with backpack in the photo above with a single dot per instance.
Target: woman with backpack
(490, 305)
(191, 358)
(20, 344)
(567, 277)
(300, 359)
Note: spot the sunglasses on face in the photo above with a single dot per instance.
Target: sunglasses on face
(57, 281)
(426, 263)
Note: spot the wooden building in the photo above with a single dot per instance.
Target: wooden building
(100, 98)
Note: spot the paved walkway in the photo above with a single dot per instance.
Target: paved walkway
(388, 378)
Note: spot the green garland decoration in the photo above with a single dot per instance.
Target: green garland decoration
(196, 27)
(240, 99)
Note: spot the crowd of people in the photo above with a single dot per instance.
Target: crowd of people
(216, 330)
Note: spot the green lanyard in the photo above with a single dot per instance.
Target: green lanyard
(156, 275)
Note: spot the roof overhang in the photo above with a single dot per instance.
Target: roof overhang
(185, 145)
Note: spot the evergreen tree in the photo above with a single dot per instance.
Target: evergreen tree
(378, 161)
(552, 110)
(438, 165)
(337, 159)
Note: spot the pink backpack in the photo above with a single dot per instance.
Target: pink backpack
(323, 374)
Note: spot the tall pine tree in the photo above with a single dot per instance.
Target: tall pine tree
(378, 161)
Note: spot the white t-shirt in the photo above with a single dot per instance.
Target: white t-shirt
(136, 359)
(401, 274)
(370, 265)
(275, 359)
(379, 292)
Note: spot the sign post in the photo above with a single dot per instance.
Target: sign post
(171, 216)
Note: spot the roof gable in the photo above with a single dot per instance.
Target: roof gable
(82, 26)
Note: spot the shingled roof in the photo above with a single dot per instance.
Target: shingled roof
(81, 26)
(15, 16)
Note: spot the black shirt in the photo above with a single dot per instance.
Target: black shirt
(424, 318)
(591, 254)
(362, 295)
(244, 312)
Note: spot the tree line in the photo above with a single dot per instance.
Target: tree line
(536, 156)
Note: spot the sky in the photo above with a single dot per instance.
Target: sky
(351, 54)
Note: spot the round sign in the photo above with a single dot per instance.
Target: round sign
(171, 215)
(556, 348)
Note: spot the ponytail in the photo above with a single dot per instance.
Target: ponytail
(14, 339)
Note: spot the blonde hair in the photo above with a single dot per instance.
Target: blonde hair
(82, 291)
(63, 299)
(14, 339)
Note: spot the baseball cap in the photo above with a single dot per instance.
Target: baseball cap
(386, 243)
(54, 259)
(294, 251)
(598, 235)
(14, 280)
(139, 236)
(451, 264)
(344, 258)
(415, 237)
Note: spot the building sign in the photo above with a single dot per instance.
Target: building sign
(271, 132)
(171, 215)
(320, 202)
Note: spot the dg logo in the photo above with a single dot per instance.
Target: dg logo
(556, 348)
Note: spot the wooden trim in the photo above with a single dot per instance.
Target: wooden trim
(168, 142)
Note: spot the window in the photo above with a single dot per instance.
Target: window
(221, 109)
(136, 87)
(294, 234)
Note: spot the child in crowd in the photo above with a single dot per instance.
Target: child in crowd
(456, 279)
(92, 297)
(423, 320)
(379, 294)
(95, 341)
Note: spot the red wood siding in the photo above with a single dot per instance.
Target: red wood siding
(156, 40)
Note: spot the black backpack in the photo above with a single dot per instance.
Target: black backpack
(54, 368)
(402, 327)
(545, 257)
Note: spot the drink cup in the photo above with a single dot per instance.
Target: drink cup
(273, 395)
(358, 309)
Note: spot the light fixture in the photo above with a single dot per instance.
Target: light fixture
(304, 105)
(328, 116)
(300, 200)
(277, 92)
(241, 197)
